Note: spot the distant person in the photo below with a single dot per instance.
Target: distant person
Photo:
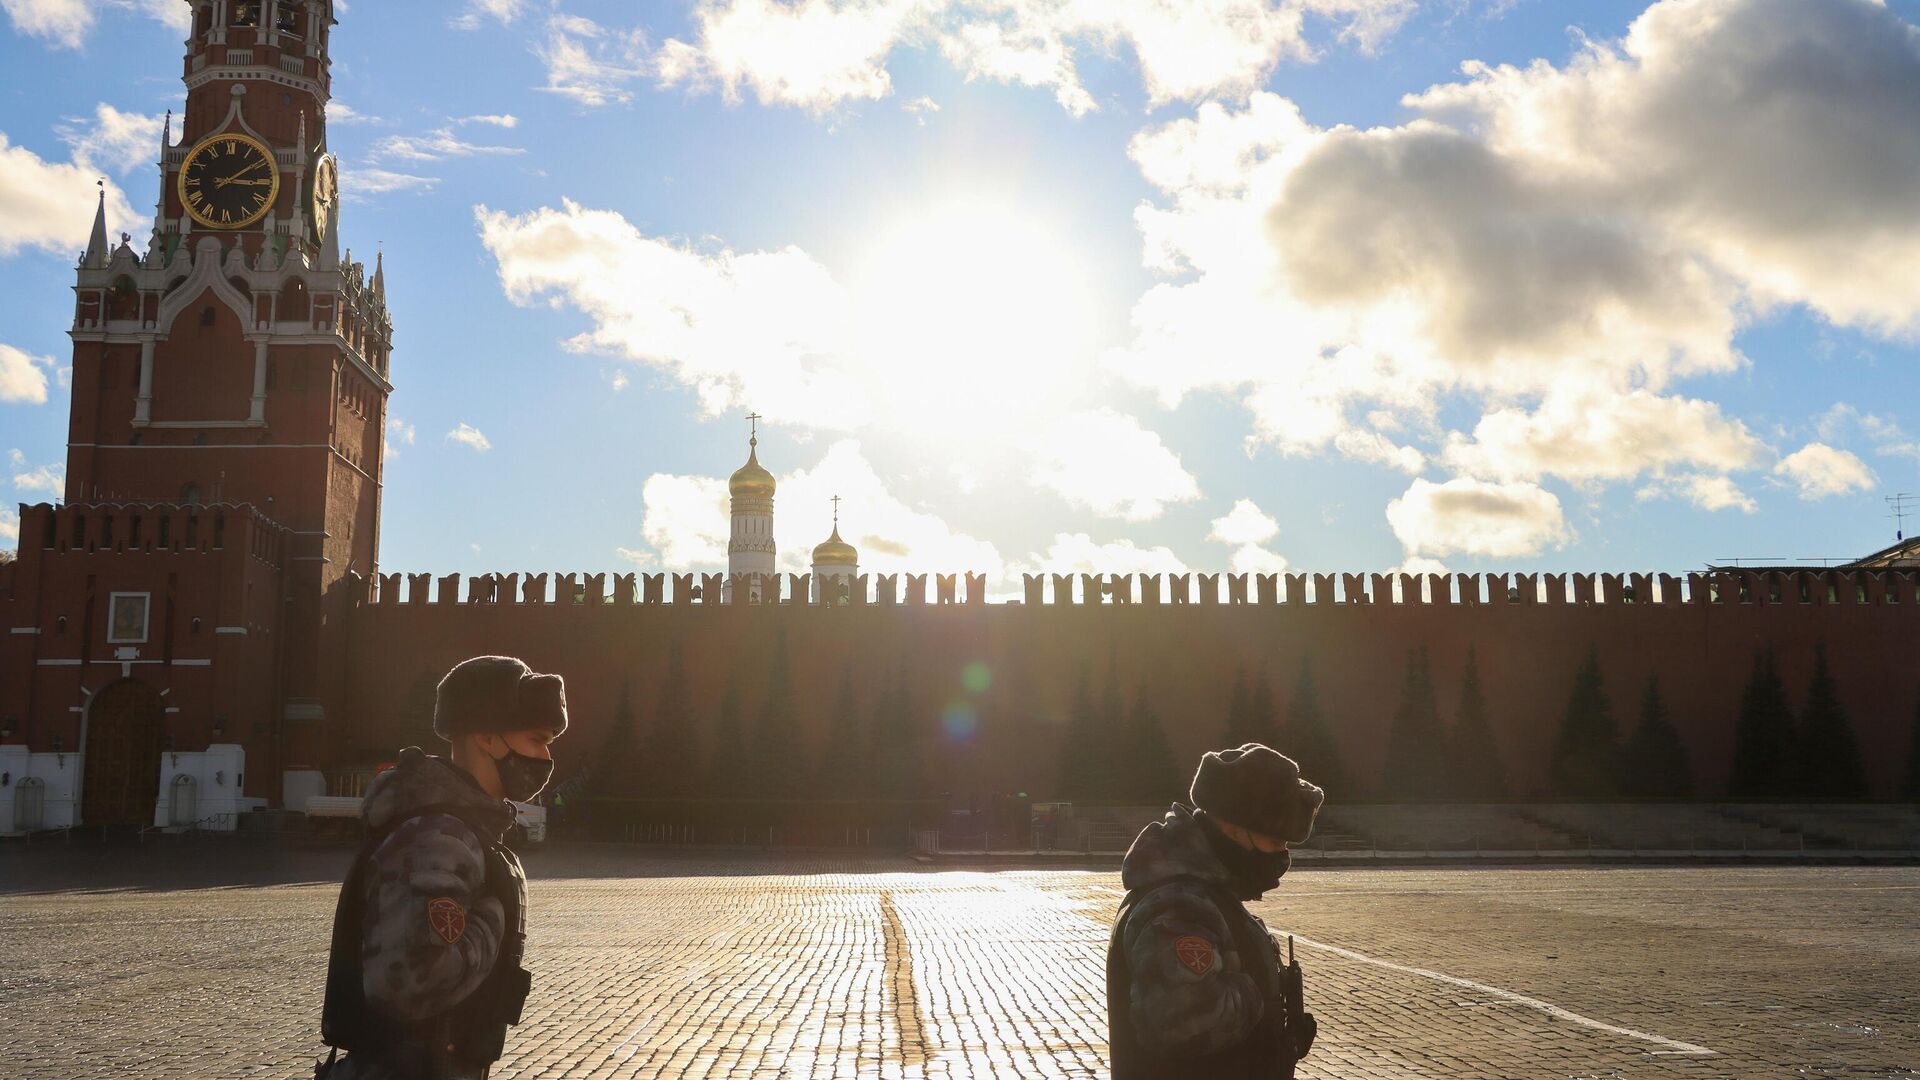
(425, 975)
(1195, 985)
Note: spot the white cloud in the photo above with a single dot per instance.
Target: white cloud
(819, 54)
(1888, 437)
(51, 479)
(113, 140)
(1472, 517)
(1078, 553)
(1248, 528)
(1779, 139)
(920, 108)
(814, 53)
(339, 112)
(50, 205)
(1245, 524)
(1590, 434)
(1707, 492)
(1556, 247)
(9, 525)
(469, 436)
(1375, 448)
(686, 521)
(639, 558)
(23, 377)
(435, 145)
(500, 120)
(358, 182)
(717, 320)
(399, 433)
(891, 535)
(1106, 462)
(1820, 471)
(501, 11)
(590, 64)
(65, 23)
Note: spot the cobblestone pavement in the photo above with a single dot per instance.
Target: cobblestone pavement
(807, 967)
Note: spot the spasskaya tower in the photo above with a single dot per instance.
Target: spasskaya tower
(230, 388)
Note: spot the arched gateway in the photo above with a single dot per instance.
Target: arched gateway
(121, 780)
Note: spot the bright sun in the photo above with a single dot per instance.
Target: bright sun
(975, 318)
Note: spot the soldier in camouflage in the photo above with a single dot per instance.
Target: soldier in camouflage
(1195, 985)
(425, 974)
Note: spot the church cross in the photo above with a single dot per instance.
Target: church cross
(753, 433)
(836, 512)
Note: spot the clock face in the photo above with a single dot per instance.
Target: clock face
(229, 181)
(326, 191)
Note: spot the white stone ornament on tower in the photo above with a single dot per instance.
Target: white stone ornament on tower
(750, 548)
(835, 564)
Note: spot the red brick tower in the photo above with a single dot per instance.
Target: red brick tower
(229, 390)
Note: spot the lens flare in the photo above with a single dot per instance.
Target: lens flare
(959, 721)
(977, 677)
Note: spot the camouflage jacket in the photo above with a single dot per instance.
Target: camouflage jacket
(1200, 980)
(430, 934)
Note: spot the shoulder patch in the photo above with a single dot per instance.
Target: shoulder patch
(447, 918)
(1195, 953)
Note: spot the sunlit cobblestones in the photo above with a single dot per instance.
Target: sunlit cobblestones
(651, 967)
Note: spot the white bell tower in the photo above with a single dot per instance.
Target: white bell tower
(750, 549)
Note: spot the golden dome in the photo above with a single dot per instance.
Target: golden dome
(834, 551)
(751, 480)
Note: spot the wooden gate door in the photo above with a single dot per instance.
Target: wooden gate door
(122, 778)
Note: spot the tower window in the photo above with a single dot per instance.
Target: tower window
(245, 13)
(206, 315)
(79, 531)
(293, 18)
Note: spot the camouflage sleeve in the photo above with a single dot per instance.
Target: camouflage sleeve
(430, 937)
(1191, 993)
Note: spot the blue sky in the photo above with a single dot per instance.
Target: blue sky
(1032, 285)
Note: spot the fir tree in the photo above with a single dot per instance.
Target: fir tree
(896, 742)
(1764, 740)
(673, 743)
(1239, 711)
(1830, 766)
(1079, 769)
(1110, 754)
(1416, 742)
(1477, 771)
(617, 768)
(416, 723)
(1149, 777)
(727, 776)
(1655, 764)
(1263, 719)
(1310, 740)
(843, 761)
(776, 734)
(1911, 789)
(1586, 751)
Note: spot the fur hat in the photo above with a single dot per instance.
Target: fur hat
(492, 695)
(1257, 788)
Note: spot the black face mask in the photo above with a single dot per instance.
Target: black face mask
(1253, 872)
(523, 777)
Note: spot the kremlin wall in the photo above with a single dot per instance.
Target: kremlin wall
(1530, 634)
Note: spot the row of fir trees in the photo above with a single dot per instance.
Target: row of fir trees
(1116, 750)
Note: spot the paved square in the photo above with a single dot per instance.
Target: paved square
(206, 961)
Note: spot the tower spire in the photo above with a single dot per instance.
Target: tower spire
(96, 256)
(380, 276)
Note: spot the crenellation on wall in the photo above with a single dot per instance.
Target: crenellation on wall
(1738, 588)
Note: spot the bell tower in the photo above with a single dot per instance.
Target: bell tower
(242, 359)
